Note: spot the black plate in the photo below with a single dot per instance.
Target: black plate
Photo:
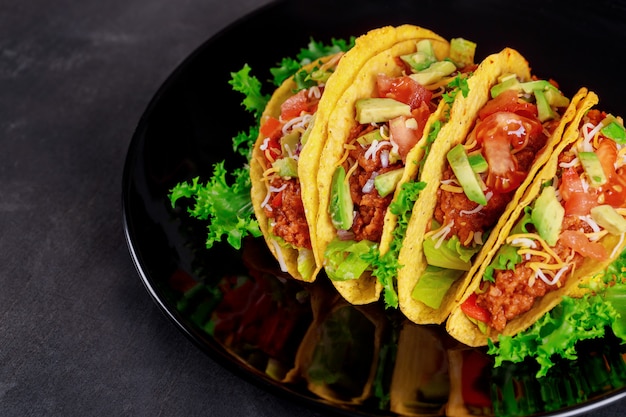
(237, 307)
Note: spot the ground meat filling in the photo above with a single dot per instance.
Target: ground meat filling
(456, 209)
(511, 295)
(369, 207)
(287, 213)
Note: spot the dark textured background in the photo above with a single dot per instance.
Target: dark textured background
(79, 335)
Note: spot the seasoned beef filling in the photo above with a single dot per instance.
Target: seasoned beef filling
(457, 208)
(512, 295)
(370, 207)
(287, 213)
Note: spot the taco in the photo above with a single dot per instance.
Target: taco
(283, 167)
(285, 128)
(376, 137)
(569, 226)
(499, 136)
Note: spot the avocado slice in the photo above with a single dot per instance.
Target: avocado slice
(609, 219)
(547, 215)
(422, 58)
(289, 143)
(507, 82)
(614, 129)
(286, 167)
(478, 163)
(386, 183)
(380, 109)
(434, 73)
(341, 207)
(462, 52)
(460, 164)
(544, 111)
(369, 137)
(593, 168)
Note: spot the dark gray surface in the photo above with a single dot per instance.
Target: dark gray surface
(79, 335)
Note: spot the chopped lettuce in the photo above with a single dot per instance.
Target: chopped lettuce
(450, 254)
(306, 263)
(571, 321)
(434, 284)
(345, 259)
(506, 258)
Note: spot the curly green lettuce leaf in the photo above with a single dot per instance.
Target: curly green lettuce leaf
(250, 86)
(557, 332)
(506, 258)
(226, 207)
(345, 259)
(315, 50)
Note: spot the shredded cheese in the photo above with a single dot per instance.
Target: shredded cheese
(375, 147)
(470, 239)
(538, 238)
(440, 234)
(574, 162)
(523, 242)
(472, 211)
(279, 255)
(619, 245)
(451, 188)
(351, 170)
(531, 252)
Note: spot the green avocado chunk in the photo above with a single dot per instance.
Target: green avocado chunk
(341, 206)
(547, 216)
(380, 109)
(593, 168)
(386, 183)
(609, 219)
(434, 73)
(460, 164)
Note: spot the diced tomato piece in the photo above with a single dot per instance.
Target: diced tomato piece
(404, 89)
(473, 310)
(277, 200)
(295, 105)
(570, 183)
(577, 201)
(508, 101)
(577, 241)
(607, 154)
(499, 133)
(580, 203)
(614, 193)
(271, 128)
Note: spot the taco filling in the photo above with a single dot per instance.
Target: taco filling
(483, 174)
(284, 137)
(389, 125)
(585, 202)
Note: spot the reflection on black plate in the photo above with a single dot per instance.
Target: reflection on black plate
(302, 339)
